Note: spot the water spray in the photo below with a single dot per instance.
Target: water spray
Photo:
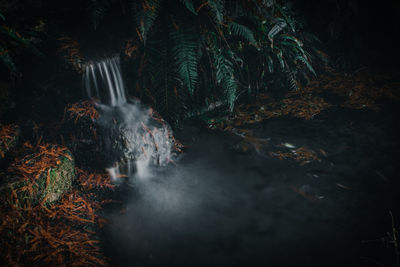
(137, 137)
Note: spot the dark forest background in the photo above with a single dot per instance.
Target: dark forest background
(348, 34)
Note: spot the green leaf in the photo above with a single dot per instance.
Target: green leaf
(296, 49)
(279, 26)
(146, 16)
(217, 8)
(184, 50)
(279, 56)
(224, 71)
(292, 81)
(189, 6)
(306, 62)
(242, 31)
(292, 38)
(270, 63)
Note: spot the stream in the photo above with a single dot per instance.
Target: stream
(223, 207)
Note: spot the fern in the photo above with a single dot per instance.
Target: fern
(293, 39)
(224, 72)
(291, 80)
(11, 44)
(270, 64)
(306, 62)
(279, 26)
(279, 56)
(164, 81)
(185, 46)
(146, 16)
(189, 6)
(217, 9)
(288, 19)
(242, 31)
(197, 52)
(299, 54)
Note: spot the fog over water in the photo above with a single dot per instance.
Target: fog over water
(218, 207)
(227, 202)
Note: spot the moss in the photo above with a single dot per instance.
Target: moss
(59, 179)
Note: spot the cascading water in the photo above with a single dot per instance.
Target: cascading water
(105, 77)
(136, 136)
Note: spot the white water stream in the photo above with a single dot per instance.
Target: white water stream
(144, 138)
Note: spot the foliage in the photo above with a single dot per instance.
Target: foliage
(196, 53)
(45, 174)
(9, 135)
(11, 44)
(361, 89)
(70, 50)
(83, 109)
(303, 155)
(63, 233)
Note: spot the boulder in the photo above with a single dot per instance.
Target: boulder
(80, 132)
(40, 177)
(116, 135)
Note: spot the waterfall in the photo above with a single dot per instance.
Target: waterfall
(136, 136)
(105, 75)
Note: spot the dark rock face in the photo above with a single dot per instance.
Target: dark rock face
(81, 137)
(121, 135)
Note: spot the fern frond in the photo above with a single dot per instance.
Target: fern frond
(293, 47)
(306, 62)
(146, 16)
(270, 64)
(293, 39)
(242, 31)
(224, 72)
(185, 47)
(217, 9)
(165, 82)
(288, 19)
(189, 5)
(279, 56)
(292, 81)
(279, 26)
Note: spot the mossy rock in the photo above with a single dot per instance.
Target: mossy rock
(9, 137)
(50, 185)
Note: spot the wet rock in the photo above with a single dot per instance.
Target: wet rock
(117, 136)
(32, 182)
(131, 138)
(80, 131)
